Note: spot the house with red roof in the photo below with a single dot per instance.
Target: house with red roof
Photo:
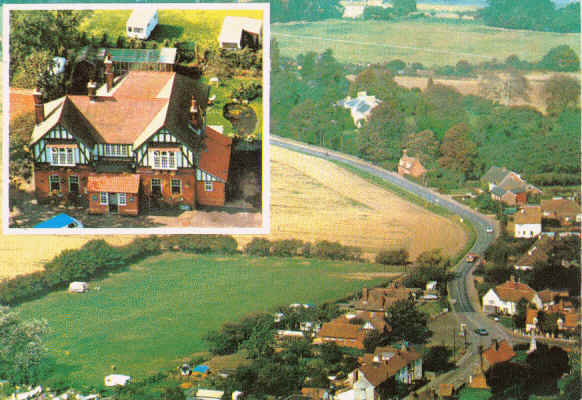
(498, 352)
(504, 298)
(139, 141)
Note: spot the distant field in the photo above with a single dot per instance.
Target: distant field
(199, 26)
(152, 315)
(427, 42)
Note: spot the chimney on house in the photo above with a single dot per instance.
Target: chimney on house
(92, 91)
(195, 114)
(109, 72)
(38, 106)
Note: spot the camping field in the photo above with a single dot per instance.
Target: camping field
(155, 313)
(424, 41)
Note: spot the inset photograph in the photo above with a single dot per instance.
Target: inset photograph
(141, 117)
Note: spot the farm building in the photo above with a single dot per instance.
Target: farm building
(137, 142)
(141, 23)
(239, 32)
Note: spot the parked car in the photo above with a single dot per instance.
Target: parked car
(481, 331)
(61, 221)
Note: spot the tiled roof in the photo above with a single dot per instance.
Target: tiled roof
(514, 291)
(547, 295)
(571, 320)
(528, 215)
(498, 353)
(339, 330)
(530, 314)
(122, 183)
(215, 154)
(561, 207)
(382, 298)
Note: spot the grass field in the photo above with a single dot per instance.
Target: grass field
(424, 41)
(154, 314)
(199, 26)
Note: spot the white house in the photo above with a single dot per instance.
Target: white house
(141, 23)
(504, 298)
(528, 222)
(238, 31)
(360, 107)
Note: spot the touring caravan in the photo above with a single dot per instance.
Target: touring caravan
(78, 287)
(141, 23)
(117, 380)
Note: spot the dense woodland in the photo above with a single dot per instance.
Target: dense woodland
(457, 137)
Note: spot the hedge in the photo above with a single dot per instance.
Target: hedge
(97, 257)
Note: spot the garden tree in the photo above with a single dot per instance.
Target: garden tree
(381, 136)
(547, 364)
(21, 347)
(561, 58)
(408, 323)
(261, 342)
(422, 145)
(173, 393)
(437, 359)
(571, 385)
(373, 340)
(330, 353)
(226, 340)
(295, 351)
(561, 92)
(458, 150)
(403, 7)
(21, 162)
(395, 65)
(506, 377)
(392, 257)
(433, 258)
(376, 81)
(519, 316)
(548, 322)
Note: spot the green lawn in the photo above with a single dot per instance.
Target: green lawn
(424, 41)
(155, 313)
(199, 26)
(474, 394)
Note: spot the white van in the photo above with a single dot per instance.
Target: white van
(78, 287)
(141, 23)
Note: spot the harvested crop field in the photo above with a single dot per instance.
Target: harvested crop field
(313, 199)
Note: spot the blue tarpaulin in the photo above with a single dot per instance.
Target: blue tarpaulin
(60, 221)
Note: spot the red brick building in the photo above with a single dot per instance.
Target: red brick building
(137, 142)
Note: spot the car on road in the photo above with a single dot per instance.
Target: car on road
(481, 332)
(489, 229)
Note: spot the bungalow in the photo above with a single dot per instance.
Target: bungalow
(141, 23)
(410, 166)
(511, 188)
(137, 142)
(565, 211)
(528, 222)
(239, 32)
(343, 334)
(504, 298)
(498, 352)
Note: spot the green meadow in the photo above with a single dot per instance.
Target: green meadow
(429, 42)
(153, 314)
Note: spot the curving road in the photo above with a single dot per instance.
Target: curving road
(463, 307)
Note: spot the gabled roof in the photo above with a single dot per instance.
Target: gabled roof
(514, 291)
(339, 330)
(143, 103)
(232, 28)
(495, 175)
(561, 207)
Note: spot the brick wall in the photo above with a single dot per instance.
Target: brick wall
(214, 198)
(186, 177)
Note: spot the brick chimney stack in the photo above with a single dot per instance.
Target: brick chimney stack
(38, 106)
(92, 91)
(109, 72)
(195, 114)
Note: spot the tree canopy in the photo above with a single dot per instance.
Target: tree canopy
(408, 323)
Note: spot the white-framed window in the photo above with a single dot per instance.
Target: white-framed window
(208, 187)
(62, 156)
(74, 184)
(116, 150)
(176, 185)
(55, 183)
(156, 186)
(103, 198)
(162, 159)
(122, 199)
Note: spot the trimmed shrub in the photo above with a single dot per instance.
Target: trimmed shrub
(258, 247)
(287, 247)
